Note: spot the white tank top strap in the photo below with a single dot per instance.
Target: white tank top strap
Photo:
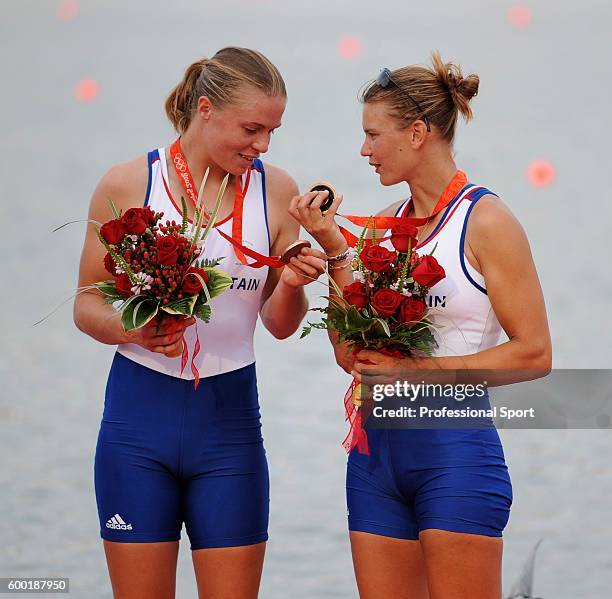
(227, 340)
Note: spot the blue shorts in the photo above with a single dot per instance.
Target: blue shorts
(168, 454)
(454, 480)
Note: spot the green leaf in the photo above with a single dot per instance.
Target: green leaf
(144, 312)
(199, 207)
(107, 287)
(211, 262)
(385, 326)
(116, 213)
(80, 220)
(305, 331)
(184, 215)
(215, 212)
(218, 281)
(182, 306)
(127, 311)
(202, 311)
(356, 322)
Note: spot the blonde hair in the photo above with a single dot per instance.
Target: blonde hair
(222, 79)
(440, 91)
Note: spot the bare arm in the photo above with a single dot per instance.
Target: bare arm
(284, 302)
(497, 243)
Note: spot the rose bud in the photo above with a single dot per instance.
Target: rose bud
(191, 284)
(428, 272)
(167, 253)
(148, 215)
(386, 301)
(356, 294)
(377, 258)
(412, 310)
(123, 285)
(113, 232)
(402, 236)
(109, 264)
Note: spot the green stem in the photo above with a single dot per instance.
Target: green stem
(406, 263)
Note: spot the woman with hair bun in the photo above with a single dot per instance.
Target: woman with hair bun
(168, 453)
(427, 506)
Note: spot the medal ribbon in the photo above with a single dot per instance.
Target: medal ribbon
(452, 190)
(184, 174)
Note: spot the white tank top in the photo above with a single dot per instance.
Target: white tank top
(459, 307)
(227, 340)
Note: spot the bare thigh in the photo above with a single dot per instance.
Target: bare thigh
(229, 571)
(462, 566)
(387, 567)
(142, 570)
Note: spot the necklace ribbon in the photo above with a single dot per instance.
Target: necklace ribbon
(452, 190)
(184, 174)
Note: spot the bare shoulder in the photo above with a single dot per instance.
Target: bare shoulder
(280, 185)
(388, 211)
(391, 209)
(492, 224)
(124, 183)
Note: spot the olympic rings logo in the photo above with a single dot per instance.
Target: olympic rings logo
(180, 163)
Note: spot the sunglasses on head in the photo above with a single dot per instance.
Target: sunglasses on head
(383, 81)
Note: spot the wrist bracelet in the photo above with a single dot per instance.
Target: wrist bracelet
(339, 257)
(337, 266)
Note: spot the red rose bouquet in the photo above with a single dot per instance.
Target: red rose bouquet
(155, 267)
(385, 308)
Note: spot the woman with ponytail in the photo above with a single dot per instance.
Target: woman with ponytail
(169, 453)
(427, 505)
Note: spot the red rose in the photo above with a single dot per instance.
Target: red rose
(412, 310)
(191, 284)
(134, 221)
(402, 235)
(148, 215)
(356, 294)
(123, 285)
(167, 250)
(386, 301)
(109, 264)
(113, 232)
(428, 272)
(377, 258)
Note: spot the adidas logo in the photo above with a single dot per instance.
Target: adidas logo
(117, 522)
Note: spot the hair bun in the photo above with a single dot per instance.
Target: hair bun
(461, 89)
(455, 81)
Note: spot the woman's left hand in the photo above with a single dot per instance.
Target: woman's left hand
(304, 268)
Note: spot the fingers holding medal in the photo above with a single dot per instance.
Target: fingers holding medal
(315, 211)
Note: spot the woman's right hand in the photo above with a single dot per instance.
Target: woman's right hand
(162, 335)
(306, 209)
(345, 357)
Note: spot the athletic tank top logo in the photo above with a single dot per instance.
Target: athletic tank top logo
(436, 301)
(240, 283)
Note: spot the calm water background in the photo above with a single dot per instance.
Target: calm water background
(545, 93)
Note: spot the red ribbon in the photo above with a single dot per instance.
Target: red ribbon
(184, 174)
(357, 436)
(185, 359)
(457, 183)
(194, 370)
